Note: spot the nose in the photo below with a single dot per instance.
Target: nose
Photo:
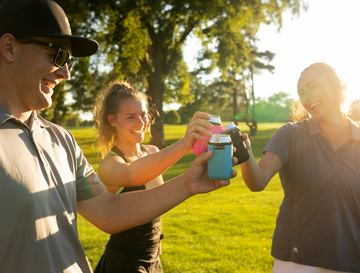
(141, 120)
(64, 72)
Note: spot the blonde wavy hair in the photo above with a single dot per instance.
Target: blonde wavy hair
(108, 103)
(339, 87)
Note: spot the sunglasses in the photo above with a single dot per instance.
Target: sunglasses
(61, 57)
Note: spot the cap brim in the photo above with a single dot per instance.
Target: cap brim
(80, 47)
(83, 47)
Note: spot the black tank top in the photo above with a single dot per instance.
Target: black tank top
(141, 241)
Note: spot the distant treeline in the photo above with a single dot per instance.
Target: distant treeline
(276, 108)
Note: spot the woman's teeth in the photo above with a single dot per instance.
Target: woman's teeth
(314, 104)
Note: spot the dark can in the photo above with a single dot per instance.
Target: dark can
(233, 131)
(220, 164)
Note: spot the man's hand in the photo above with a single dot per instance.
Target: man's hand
(197, 178)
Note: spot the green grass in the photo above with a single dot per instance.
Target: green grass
(229, 230)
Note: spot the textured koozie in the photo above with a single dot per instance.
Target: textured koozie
(220, 164)
(201, 146)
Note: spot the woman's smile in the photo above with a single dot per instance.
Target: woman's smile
(314, 105)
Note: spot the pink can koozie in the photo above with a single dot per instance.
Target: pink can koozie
(201, 146)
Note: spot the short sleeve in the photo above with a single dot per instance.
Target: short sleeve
(280, 143)
(88, 184)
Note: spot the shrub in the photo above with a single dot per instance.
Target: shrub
(172, 117)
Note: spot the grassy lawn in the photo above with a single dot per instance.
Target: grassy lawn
(229, 230)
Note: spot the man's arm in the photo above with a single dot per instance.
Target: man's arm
(114, 213)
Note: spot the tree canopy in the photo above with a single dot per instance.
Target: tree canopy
(144, 39)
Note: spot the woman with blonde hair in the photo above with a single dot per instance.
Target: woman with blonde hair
(122, 118)
(317, 157)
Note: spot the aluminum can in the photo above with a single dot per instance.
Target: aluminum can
(220, 164)
(200, 146)
(233, 131)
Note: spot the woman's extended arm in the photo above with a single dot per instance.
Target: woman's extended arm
(113, 171)
(257, 175)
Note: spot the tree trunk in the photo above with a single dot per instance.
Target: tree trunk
(253, 126)
(235, 102)
(253, 129)
(156, 97)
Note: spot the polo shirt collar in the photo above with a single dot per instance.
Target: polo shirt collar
(314, 128)
(355, 130)
(4, 115)
(36, 120)
(40, 121)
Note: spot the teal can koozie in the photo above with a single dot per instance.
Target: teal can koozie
(220, 164)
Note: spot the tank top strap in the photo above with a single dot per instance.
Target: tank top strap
(117, 151)
(144, 149)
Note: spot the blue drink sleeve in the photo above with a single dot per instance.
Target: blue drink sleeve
(220, 164)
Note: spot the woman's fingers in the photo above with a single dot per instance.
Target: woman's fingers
(246, 141)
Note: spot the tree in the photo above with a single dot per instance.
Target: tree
(255, 67)
(238, 84)
(276, 108)
(210, 97)
(146, 37)
(355, 110)
(238, 73)
(172, 117)
(72, 120)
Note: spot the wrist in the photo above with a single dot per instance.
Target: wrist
(187, 179)
(183, 146)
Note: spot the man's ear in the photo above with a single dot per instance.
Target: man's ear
(7, 47)
(111, 119)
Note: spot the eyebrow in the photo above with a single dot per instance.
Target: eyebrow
(310, 83)
(134, 114)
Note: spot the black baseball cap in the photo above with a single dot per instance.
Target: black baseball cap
(42, 18)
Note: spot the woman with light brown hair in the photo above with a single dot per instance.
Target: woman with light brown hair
(317, 157)
(122, 118)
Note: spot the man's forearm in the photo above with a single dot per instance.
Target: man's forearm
(114, 213)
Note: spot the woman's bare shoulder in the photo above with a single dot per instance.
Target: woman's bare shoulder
(151, 148)
(109, 160)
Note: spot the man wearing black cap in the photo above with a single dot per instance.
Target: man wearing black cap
(44, 177)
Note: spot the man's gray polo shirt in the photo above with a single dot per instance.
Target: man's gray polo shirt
(319, 219)
(43, 174)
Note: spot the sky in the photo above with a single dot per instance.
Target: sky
(328, 32)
